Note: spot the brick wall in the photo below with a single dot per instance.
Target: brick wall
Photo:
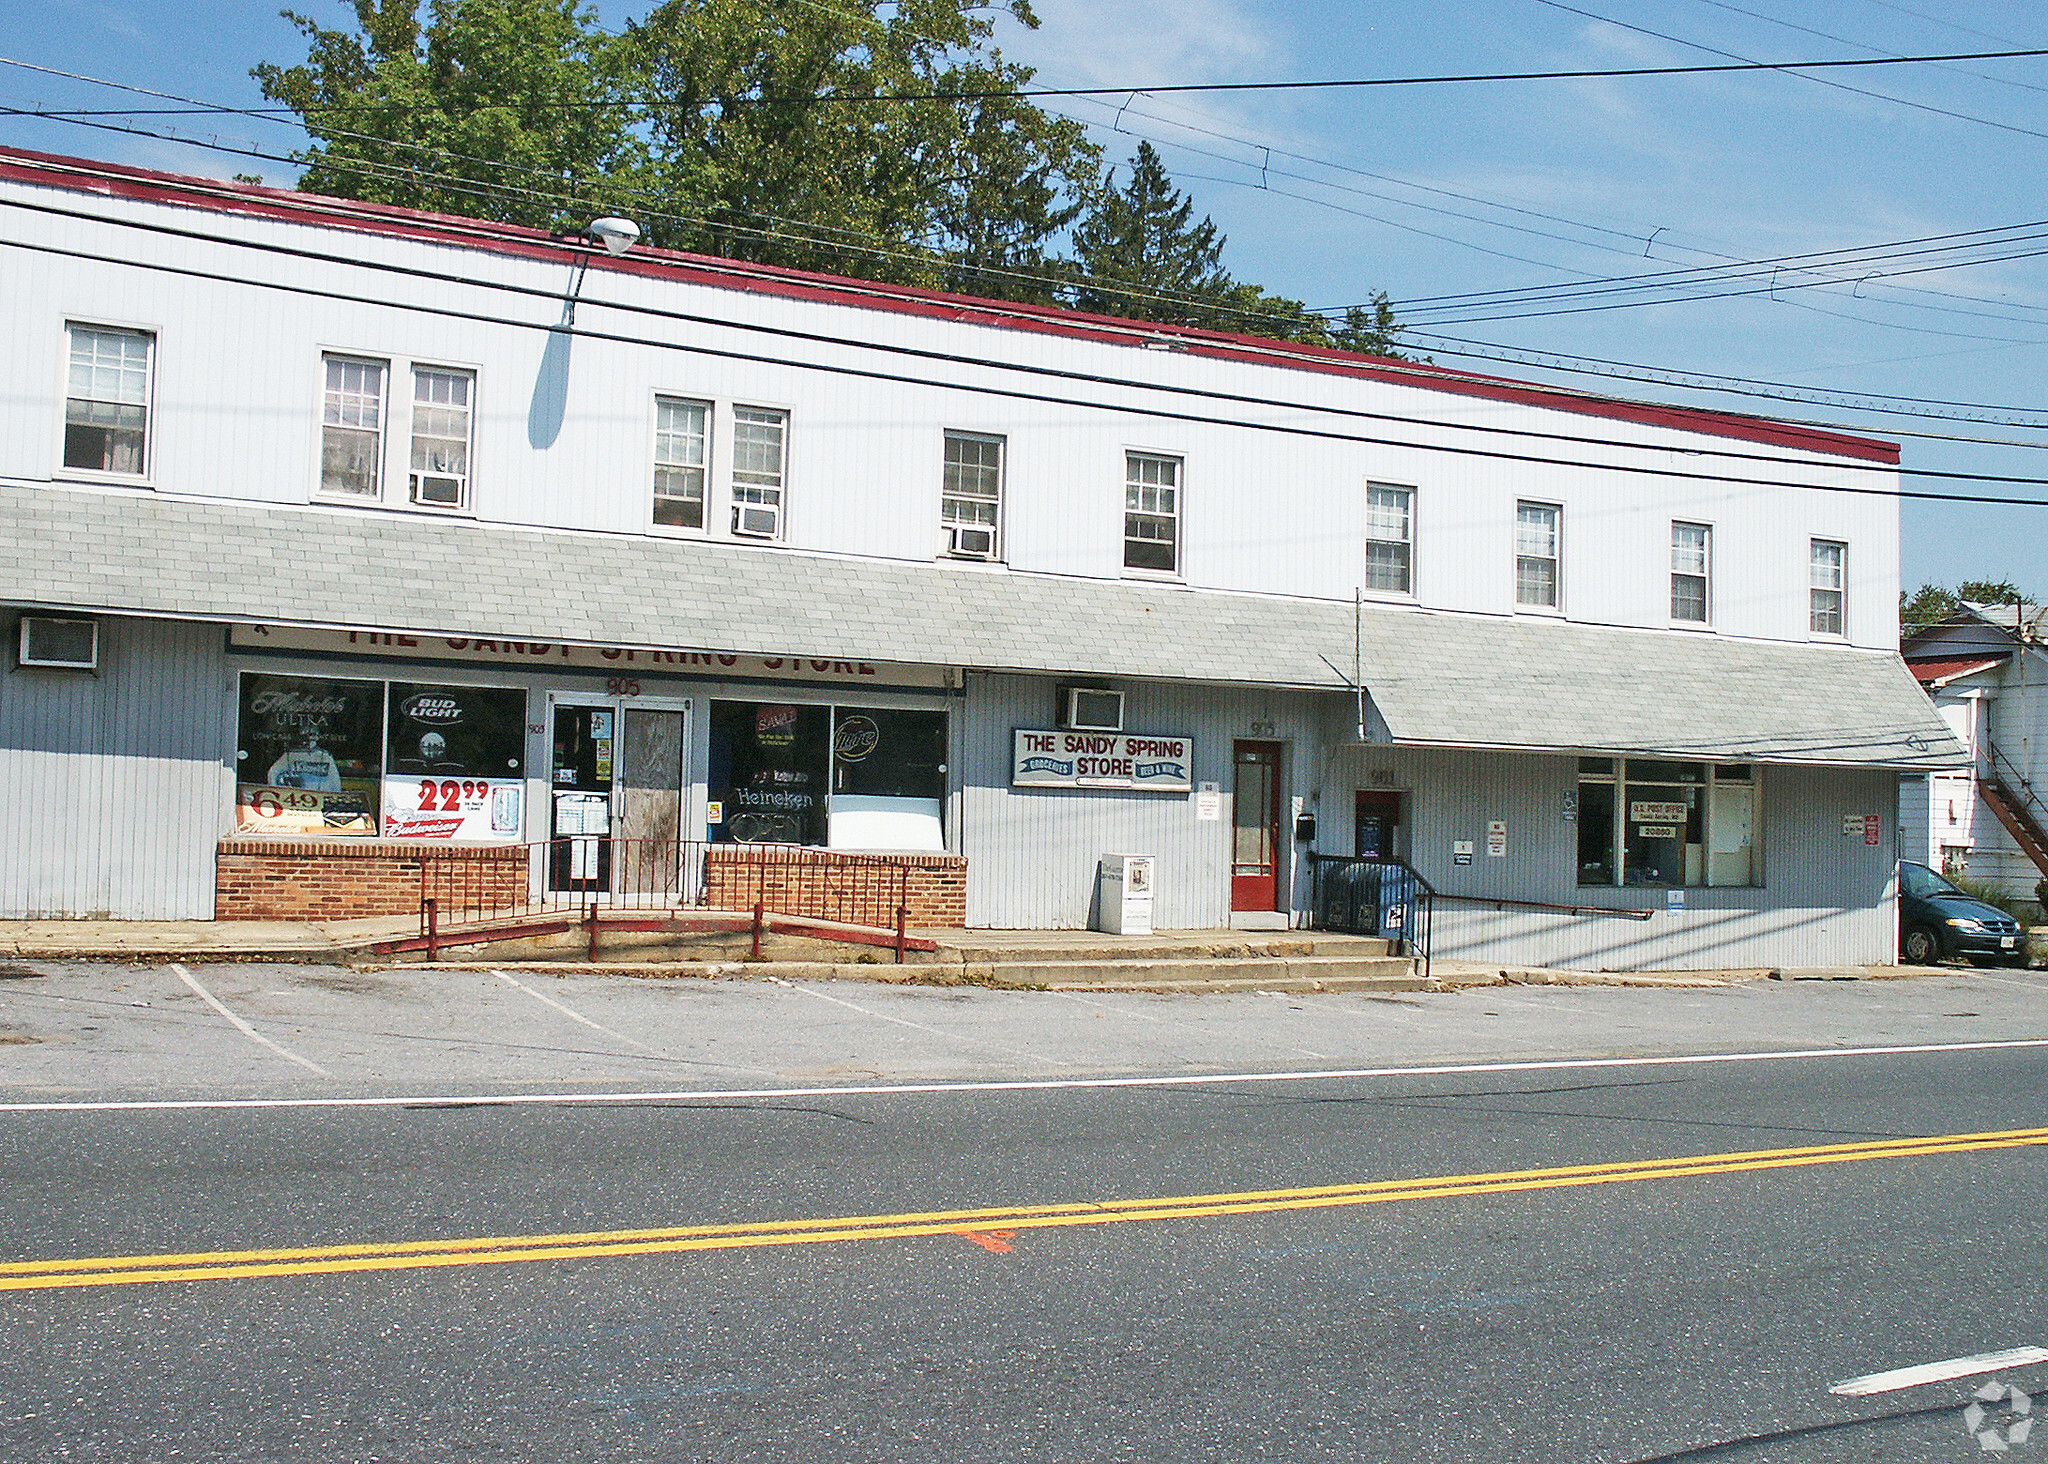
(294, 879)
(859, 891)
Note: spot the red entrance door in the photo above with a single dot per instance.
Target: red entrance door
(1255, 833)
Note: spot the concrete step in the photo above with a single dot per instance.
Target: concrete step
(1291, 973)
(1300, 946)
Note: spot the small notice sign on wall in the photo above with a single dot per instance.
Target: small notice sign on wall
(1209, 803)
(1497, 839)
(1461, 851)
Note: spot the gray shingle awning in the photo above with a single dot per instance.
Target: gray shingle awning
(1434, 679)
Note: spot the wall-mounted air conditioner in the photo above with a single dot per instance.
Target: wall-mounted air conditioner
(757, 520)
(963, 541)
(71, 645)
(441, 490)
(1089, 709)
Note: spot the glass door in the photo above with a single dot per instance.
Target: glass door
(1255, 832)
(580, 788)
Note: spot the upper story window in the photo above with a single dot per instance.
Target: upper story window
(973, 496)
(758, 438)
(1691, 567)
(352, 427)
(107, 400)
(1826, 576)
(681, 438)
(440, 436)
(1389, 538)
(1536, 556)
(356, 441)
(1152, 512)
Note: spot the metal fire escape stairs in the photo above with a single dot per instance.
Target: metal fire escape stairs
(2015, 805)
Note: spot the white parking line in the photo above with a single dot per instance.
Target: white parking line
(1939, 1372)
(244, 1028)
(546, 1000)
(920, 1026)
(1016, 1085)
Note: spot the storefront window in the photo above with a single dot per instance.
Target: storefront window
(768, 772)
(888, 779)
(308, 756)
(846, 777)
(1665, 823)
(455, 762)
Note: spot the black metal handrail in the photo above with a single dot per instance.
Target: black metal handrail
(1383, 897)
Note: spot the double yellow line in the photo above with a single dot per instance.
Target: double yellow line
(488, 1250)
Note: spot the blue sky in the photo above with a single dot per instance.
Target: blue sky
(1429, 192)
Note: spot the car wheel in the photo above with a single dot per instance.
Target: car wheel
(1921, 946)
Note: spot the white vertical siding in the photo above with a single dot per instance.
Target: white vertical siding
(114, 786)
(1825, 897)
(1033, 853)
(564, 424)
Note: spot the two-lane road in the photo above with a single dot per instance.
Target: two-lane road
(904, 1225)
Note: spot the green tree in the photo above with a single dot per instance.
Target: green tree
(1140, 254)
(1928, 605)
(498, 109)
(1988, 592)
(757, 124)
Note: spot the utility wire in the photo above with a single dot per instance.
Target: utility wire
(957, 360)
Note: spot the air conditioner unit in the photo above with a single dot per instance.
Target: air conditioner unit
(757, 520)
(1090, 709)
(965, 542)
(73, 645)
(443, 490)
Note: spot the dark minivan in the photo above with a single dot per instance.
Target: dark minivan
(1937, 920)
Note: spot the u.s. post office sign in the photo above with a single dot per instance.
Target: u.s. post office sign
(1103, 760)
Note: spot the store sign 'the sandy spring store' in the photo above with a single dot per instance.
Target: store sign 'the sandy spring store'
(1102, 760)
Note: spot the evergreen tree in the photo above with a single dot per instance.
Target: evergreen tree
(1138, 241)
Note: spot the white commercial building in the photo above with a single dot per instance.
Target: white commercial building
(335, 532)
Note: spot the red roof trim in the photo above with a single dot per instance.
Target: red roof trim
(252, 200)
(1939, 673)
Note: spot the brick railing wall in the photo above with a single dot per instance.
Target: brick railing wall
(832, 889)
(333, 879)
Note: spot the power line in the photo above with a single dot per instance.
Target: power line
(957, 360)
(1332, 84)
(314, 204)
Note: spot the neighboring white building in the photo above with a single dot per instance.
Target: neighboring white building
(1987, 670)
(335, 531)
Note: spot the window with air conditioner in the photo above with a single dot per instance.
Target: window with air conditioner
(441, 420)
(971, 518)
(59, 642)
(759, 437)
(1090, 709)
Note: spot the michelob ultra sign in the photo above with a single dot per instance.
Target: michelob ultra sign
(1103, 760)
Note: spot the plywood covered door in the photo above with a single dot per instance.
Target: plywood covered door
(649, 798)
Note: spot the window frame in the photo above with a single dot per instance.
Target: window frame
(153, 335)
(733, 487)
(1412, 497)
(321, 491)
(1705, 619)
(655, 465)
(465, 505)
(1555, 604)
(1619, 778)
(1178, 517)
(1840, 589)
(394, 460)
(998, 547)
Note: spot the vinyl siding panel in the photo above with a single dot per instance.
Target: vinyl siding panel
(114, 787)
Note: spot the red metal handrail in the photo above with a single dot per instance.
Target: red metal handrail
(579, 879)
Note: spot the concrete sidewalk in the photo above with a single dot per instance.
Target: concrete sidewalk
(1169, 961)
